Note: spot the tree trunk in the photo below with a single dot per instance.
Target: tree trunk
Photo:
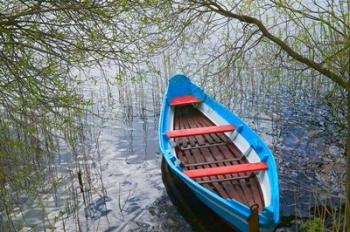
(347, 150)
(347, 188)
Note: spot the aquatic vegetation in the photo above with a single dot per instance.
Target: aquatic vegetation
(313, 225)
(55, 148)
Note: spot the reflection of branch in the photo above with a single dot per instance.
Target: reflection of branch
(216, 7)
(120, 206)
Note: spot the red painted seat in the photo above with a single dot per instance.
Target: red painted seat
(233, 169)
(200, 131)
(184, 100)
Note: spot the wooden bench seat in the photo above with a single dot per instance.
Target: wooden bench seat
(200, 131)
(232, 169)
(184, 100)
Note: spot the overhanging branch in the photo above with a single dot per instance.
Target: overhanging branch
(214, 6)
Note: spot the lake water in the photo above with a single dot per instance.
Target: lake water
(120, 162)
(297, 125)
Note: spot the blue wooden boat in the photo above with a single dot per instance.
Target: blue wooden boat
(218, 156)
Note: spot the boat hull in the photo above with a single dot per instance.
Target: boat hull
(231, 210)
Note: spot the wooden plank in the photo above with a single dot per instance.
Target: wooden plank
(211, 162)
(200, 131)
(203, 146)
(226, 179)
(184, 100)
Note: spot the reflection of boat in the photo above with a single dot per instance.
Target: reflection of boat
(224, 163)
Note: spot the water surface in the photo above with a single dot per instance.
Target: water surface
(297, 126)
(120, 162)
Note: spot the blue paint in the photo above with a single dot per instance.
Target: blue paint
(231, 210)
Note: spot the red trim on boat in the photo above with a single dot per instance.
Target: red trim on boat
(238, 168)
(200, 131)
(184, 100)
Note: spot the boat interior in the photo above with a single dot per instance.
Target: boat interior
(213, 152)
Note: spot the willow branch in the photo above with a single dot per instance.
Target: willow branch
(284, 46)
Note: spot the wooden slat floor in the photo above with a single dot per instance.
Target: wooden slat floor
(245, 189)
